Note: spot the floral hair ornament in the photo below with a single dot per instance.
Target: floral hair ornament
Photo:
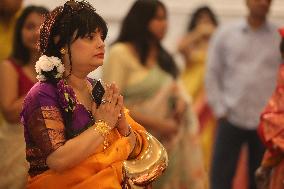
(67, 97)
(281, 31)
(49, 67)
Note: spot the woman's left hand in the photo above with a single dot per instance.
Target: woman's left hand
(125, 130)
(122, 125)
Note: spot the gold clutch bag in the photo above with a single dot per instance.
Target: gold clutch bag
(148, 165)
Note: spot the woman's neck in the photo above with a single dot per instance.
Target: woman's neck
(256, 23)
(153, 48)
(153, 52)
(76, 82)
(34, 56)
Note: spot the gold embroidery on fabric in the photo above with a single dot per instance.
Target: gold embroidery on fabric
(52, 113)
(54, 125)
(57, 138)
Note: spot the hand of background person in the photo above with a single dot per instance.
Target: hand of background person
(205, 30)
(110, 108)
(262, 177)
(179, 109)
(179, 104)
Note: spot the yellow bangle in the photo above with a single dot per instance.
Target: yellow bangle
(102, 128)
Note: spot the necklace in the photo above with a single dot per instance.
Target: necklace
(87, 83)
(89, 88)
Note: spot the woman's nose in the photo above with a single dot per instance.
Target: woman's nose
(100, 42)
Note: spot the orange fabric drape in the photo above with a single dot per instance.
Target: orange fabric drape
(101, 170)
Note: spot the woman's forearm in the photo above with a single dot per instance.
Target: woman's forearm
(12, 112)
(75, 150)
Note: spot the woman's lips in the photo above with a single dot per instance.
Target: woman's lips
(100, 55)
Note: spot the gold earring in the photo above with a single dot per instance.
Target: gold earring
(62, 51)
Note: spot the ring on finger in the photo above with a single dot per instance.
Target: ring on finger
(105, 101)
(119, 116)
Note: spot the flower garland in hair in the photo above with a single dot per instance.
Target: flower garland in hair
(49, 67)
(52, 67)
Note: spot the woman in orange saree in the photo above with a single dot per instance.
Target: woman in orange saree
(75, 139)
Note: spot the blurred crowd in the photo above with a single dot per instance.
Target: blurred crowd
(206, 114)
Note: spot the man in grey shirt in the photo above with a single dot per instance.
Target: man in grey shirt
(242, 66)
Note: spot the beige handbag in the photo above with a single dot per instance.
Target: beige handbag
(149, 164)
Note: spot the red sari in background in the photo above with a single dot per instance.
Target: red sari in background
(24, 82)
(271, 130)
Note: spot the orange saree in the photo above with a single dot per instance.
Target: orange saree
(271, 130)
(101, 170)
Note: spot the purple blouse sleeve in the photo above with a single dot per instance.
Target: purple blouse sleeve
(43, 121)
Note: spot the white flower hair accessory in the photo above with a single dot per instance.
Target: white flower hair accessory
(51, 66)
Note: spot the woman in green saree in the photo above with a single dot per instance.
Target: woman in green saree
(148, 78)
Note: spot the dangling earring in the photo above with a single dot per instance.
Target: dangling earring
(62, 51)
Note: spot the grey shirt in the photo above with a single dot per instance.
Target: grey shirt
(241, 72)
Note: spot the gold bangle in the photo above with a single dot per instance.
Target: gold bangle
(102, 128)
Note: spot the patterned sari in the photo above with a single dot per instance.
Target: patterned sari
(153, 93)
(271, 130)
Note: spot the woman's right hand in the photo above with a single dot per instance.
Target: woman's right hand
(110, 107)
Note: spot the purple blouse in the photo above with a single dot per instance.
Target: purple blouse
(44, 121)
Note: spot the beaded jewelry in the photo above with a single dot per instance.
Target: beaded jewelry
(103, 129)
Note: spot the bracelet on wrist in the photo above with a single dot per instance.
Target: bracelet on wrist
(128, 133)
(102, 128)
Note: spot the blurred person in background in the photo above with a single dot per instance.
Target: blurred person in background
(148, 78)
(242, 65)
(270, 174)
(17, 76)
(8, 16)
(193, 46)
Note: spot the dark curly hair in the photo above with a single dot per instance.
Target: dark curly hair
(135, 30)
(19, 51)
(58, 30)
